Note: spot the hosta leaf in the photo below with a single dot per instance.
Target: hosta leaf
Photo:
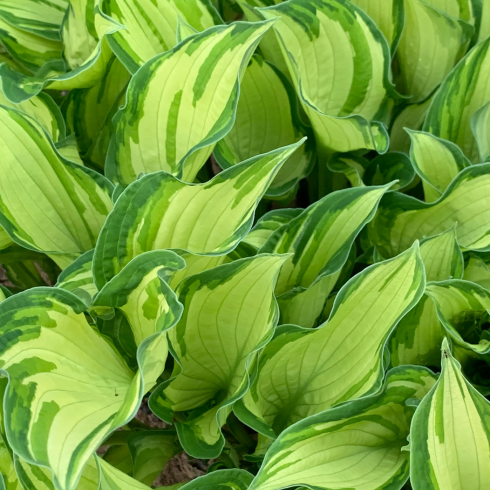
(78, 276)
(422, 69)
(268, 224)
(388, 16)
(151, 26)
(230, 313)
(343, 84)
(462, 308)
(138, 293)
(4, 293)
(477, 271)
(351, 165)
(402, 219)
(484, 27)
(449, 438)
(194, 264)
(303, 372)
(79, 33)
(180, 103)
(48, 203)
(63, 398)
(210, 218)
(19, 87)
(44, 110)
(113, 479)
(68, 149)
(89, 112)
(412, 117)
(269, 44)
(19, 475)
(392, 167)
(418, 337)
(151, 450)
(436, 161)
(357, 445)
(320, 239)
(29, 50)
(480, 124)
(458, 9)
(5, 240)
(222, 480)
(41, 17)
(267, 117)
(463, 92)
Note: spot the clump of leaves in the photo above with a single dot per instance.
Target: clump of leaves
(265, 223)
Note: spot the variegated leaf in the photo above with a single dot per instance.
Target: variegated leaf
(150, 451)
(151, 26)
(402, 219)
(303, 371)
(343, 100)
(423, 69)
(89, 112)
(30, 50)
(40, 17)
(222, 480)
(464, 91)
(180, 103)
(78, 277)
(44, 110)
(47, 203)
(462, 308)
(68, 387)
(389, 17)
(477, 271)
(320, 239)
(79, 33)
(268, 224)
(210, 218)
(412, 117)
(230, 313)
(450, 434)
(68, 149)
(480, 124)
(267, 117)
(19, 87)
(392, 167)
(418, 337)
(138, 292)
(436, 161)
(358, 445)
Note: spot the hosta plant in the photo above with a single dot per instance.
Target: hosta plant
(244, 244)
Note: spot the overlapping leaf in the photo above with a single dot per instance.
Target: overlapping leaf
(418, 337)
(320, 239)
(64, 398)
(463, 92)
(325, 42)
(303, 372)
(357, 445)
(267, 118)
(450, 432)
(423, 69)
(180, 103)
(402, 219)
(436, 161)
(47, 203)
(210, 218)
(151, 26)
(230, 313)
